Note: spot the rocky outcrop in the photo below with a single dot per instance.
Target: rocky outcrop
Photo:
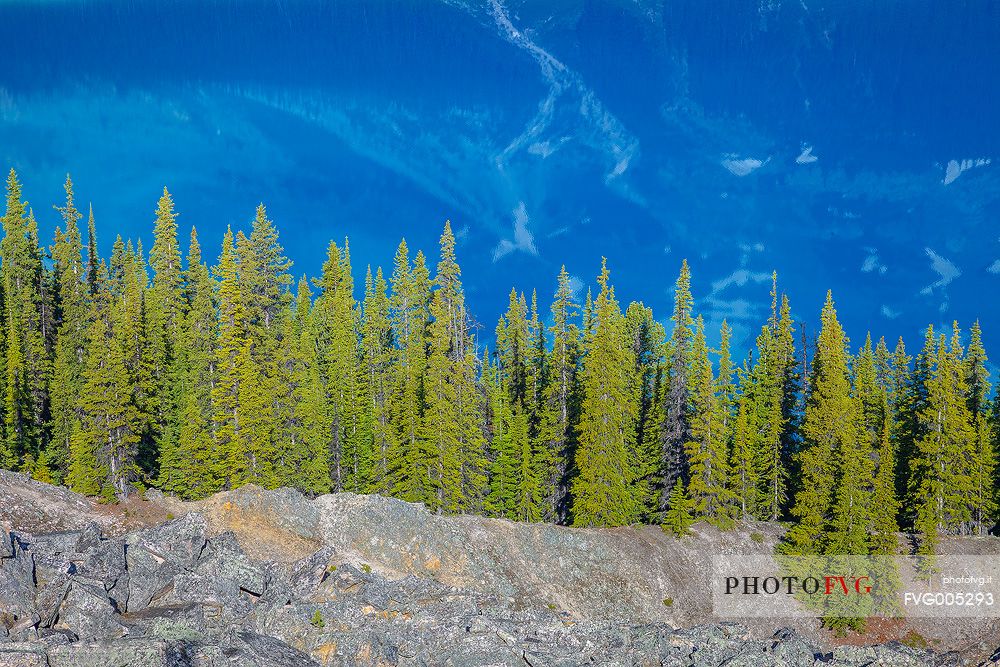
(257, 577)
(622, 573)
(174, 596)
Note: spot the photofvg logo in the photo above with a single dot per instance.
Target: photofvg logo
(855, 586)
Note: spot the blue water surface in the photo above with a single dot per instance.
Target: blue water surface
(848, 145)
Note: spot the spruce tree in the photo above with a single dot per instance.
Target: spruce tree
(165, 313)
(557, 427)
(27, 362)
(981, 502)
(674, 426)
(189, 470)
(942, 470)
(232, 339)
(70, 348)
(451, 433)
(376, 361)
(336, 322)
(709, 491)
(408, 467)
(830, 508)
(604, 489)
(677, 520)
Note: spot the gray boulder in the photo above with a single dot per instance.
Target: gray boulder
(88, 612)
(224, 559)
(23, 655)
(180, 541)
(172, 622)
(249, 649)
(154, 557)
(17, 581)
(128, 653)
(6, 543)
(49, 597)
(222, 598)
(308, 574)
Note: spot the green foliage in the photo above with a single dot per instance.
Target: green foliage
(317, 619)
(829, 515)
(604, 489)
(677, 520)
(452, 442)
(407, 473)
(709, 489)
(915, 640)
(335, 322)
(950, 462)
(200, 380)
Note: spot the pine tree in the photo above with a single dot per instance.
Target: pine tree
(93, 258)
(603, 491)
(646, 337)
(132, 329)
(105, 441)
(538, 368)
(261, 286)
(871, 394)
(263, 281)
(255, 441)
(884, 501)
(787, 381)
(113, 379)
(744, 477)
(903, 428)
(85, 473)
(724, 380)
(516, 473)
(771, 399)
(871, 373)
(513, 348)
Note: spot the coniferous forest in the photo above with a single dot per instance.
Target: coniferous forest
(195, 371)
